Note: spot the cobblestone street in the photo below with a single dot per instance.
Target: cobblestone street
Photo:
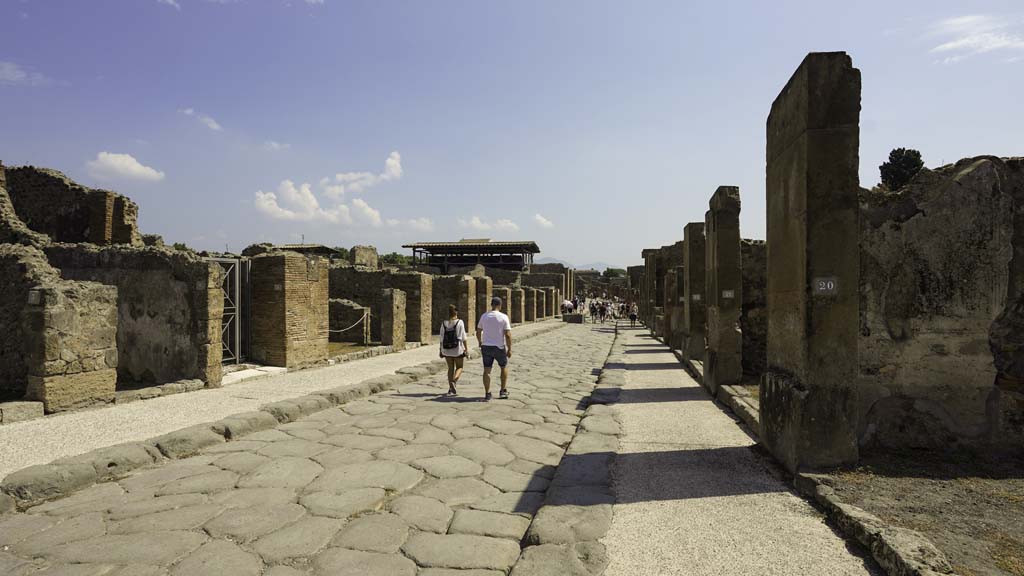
(400, 483)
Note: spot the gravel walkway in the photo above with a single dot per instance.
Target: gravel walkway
(403, 483)
(40, 441)
(693, 498)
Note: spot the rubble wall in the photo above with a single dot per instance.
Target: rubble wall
(49, 202)
(936, 261)
(344, 314)
(457, 290)
(12, 229)
(170, 306)
(754, 310)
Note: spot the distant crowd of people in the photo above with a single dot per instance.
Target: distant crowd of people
(602, 308)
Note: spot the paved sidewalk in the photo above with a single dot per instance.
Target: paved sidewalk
(693, 498)
(40, 441)
(403, 483)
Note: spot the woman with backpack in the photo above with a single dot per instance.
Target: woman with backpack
(453, 347)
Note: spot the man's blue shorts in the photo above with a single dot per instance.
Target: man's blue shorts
(492, 353)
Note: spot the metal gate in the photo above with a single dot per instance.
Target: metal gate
(235, 321)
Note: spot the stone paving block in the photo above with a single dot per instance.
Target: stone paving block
(432, 435)
(407, 454)
(247, 524)
(14, 566)
(482, 451)
(457, 491)
(532, 468)
(341, 456)
(523, 503)
(393, 433)
(508, 480)
(344, 504)
(295, 447)
(283, 571)
(283, 472)
(374, 474)
(383, 533)
(470, 432)
(503, 426)
(590, 442)
(423, 513)
(154, 505)
(96, 498)
(449, 466)
(483, 523)
(246, 497)
(11, 412)
(584, 559)
(269, 436)
(144, 480)
(461, 551)
(154, 548)
(17, 527)
(360, 442)
(343, 562)
(600, 425)
(548, 435)
(531, 449)
(241, 462)
(284, 411)
(303, 538)
(116, 461)
(184, 518)
(235, 446)
(592, 469)
(71, 530)
(216, 558)
(206, 483)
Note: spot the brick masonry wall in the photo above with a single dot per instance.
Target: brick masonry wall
(517, 297)
(170, 307)
(529, 304)
(418, 290)
(458, 290)
(484, 292)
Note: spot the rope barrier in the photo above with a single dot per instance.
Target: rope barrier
(354, 325)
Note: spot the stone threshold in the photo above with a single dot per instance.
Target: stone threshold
(899, 551)
(40, 483)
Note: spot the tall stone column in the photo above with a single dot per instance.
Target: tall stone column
(723, 359)
(808, 408)
(530, 305)
(693, 291)
(517, 302)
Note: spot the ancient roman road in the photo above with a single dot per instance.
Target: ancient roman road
(403, 482)
(692, 497)
(410, 482)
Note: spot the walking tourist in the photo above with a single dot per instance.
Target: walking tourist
(633, 313)
(494, 333)
(453, 347)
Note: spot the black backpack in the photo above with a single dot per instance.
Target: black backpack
(450, 340)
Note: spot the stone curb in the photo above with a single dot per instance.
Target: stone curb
(43, 482)
(899, 551)
(564, 536)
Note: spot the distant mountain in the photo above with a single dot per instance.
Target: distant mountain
(599, 266)
(547, 260)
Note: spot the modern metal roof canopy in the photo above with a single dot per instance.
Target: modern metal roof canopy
(506, 255)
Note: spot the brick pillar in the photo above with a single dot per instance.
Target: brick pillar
(530, 305)
(539, 297)
(517, 297)
(484, 291)
(693, 291)
(392, 317)
(808, 413)
(290, 310)
(723, 359)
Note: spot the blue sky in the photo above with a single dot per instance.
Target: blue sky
(595, 128)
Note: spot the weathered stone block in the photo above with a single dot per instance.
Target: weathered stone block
(290, 310)
(392, 318)
(723, 358)
(64, 392)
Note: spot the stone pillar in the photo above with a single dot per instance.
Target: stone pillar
(530, 305)
(551, 298)
(542, 304)
(290, 310)
(723, 359)
(693, 291)
(516, 304)
(392, 318)
(808, 408)
(484, 291)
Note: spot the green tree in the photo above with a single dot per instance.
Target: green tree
(903, 164)
(610, 273)
(396, 258)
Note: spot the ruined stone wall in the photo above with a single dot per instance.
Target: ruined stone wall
(504, 277)
(529, 304)
(484, 291)
(936, 267)
(540, 298)
(543, 280)
(554, 270)
(418, 290)
(58, 344)
(508, 306)
(392, 316)
(458, 290)
(170, 307)
(290, 309)
(516, 308)
(359, 285)
(754, 313)
(344, 314)
(12, 229)
(365, 256)
(51, 203)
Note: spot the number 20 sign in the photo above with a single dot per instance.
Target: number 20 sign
(826, 286)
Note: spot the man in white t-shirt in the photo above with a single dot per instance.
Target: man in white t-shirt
(494, 332)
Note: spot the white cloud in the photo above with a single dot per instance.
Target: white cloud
(965, 36)
(111, 166)
(274, 146)
(205, 119)
(543, 222)
(357, 182)
(421, 224)
(11, 74)
(172, 3)
(366, 213)
(476, 223)
(300, 205)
